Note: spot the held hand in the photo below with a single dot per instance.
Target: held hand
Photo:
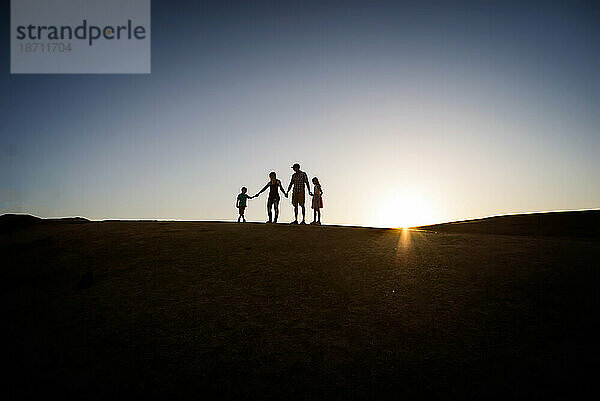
(310, 193)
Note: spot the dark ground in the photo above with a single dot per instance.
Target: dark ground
(199, 310)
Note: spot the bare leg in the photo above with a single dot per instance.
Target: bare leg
(269, 212)
(276, 204)
(296, 212)
(303, 212)
(318, 213)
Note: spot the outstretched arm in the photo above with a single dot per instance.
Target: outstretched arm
(306, 181)
(262, 190)
(291, 183)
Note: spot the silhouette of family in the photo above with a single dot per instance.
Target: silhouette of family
(297, 183)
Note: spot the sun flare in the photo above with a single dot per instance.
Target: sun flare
(405, 210)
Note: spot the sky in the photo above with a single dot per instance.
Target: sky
(409, 113)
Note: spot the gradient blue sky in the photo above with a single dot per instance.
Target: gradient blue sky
(408, 112)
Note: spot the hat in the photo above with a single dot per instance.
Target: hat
(296, 165)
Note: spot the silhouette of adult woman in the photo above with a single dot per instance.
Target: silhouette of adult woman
(274, 186)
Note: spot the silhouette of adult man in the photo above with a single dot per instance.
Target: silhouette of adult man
(299, 179)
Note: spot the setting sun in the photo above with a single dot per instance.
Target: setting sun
(404, 210)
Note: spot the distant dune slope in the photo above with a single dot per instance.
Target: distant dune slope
(13, 222)
(584, 223)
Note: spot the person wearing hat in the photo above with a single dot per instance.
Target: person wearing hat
(299, 179)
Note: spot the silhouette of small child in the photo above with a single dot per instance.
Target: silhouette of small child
(317, 201)
(241, 203)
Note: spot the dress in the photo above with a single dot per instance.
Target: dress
(317, 201)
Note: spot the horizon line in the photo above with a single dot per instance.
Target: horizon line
(330, 225)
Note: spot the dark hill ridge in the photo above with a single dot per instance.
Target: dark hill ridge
(13, 222)
(584, 223)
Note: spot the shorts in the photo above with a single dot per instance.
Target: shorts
(298, 198)
(273, 201)
(241, 209)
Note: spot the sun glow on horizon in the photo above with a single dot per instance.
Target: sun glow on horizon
(405, 210)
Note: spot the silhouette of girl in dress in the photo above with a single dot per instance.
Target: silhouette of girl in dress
(317, 201)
